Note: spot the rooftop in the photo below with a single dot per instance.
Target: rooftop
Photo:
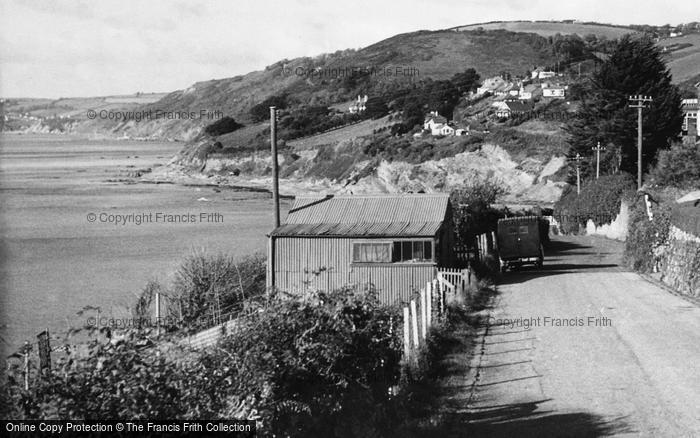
(404, 215)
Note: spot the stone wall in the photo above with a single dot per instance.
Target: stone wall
(680, 262)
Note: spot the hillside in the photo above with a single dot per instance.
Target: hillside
(683, 57)
(549, 28)
(335, 78)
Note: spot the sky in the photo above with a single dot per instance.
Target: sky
(60, 48)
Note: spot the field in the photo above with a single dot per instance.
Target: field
(548, 29)
(335, 136)
(684, 63)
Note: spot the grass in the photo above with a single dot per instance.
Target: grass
(366, 127)
(549, 29)
(685, 62)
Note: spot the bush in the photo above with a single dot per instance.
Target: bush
(599, 201)
(318, 367)
(678, 166)
(261, 111)
(472, 211)
(644, 236)
(127, 378)
(207, 286)
(222, 126)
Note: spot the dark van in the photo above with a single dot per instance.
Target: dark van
(519, 241)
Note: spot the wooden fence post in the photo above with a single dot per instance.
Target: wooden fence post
(406, 333)
(423, 316)
(414, 324)
(429, 305)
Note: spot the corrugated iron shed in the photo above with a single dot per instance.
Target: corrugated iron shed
(366, 215)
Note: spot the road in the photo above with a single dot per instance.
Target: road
(627, 363)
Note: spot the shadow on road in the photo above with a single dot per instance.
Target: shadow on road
(524, 420)
(563, 257)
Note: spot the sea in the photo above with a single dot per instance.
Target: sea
(76, 232)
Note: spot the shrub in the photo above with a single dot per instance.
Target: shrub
(472, 211)
(317, 367)
(207, 286)
(678, 166)
(644, 236)
(222, 126)
(261, 111)
(599, 201)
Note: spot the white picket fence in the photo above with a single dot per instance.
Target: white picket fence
(429, 306)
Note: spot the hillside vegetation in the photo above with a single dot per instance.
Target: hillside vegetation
(549, 28)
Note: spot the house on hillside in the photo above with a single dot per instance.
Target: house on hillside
(523, 94)
(359, 105)
(447, 130)
(546, 74)
(433, 122)
(491, 85)
(437, 124)
(556, 91)
(691, 113)
(394, 242)
(509, 108)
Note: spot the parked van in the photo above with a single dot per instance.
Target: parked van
(520, 242)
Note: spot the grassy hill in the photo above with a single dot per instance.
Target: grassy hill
(332, 79)
(548, 28)
(683, 56)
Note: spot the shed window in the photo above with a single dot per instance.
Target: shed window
(371, 252)
(522, 229)
(397, 252)
(413, 251)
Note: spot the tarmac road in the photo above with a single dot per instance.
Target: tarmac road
(583, 347)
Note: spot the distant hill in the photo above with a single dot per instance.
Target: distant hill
(548, 28)
(332, 79)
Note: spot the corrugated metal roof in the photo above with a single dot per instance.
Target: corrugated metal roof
(373, 215)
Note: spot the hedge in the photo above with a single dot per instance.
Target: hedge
(599, 201)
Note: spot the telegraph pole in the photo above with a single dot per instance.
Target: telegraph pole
(275, 166)
(597, 149)
(639, 102)
(578, 158)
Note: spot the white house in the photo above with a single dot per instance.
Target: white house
(446, 130)
(502, 109)
(555, 91)
(462, 131)
(434, 122)
(359, 105)
(490, 85)
(546, 74)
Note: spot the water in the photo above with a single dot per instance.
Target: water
(54, 261)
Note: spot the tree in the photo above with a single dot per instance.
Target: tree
(466, 81)
(634, 67)
(222, 126)
(261, 111)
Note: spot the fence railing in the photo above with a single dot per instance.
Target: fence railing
(429, 306)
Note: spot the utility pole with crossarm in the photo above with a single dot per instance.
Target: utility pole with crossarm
(578, 158)
(597, 149)
(639, 102)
